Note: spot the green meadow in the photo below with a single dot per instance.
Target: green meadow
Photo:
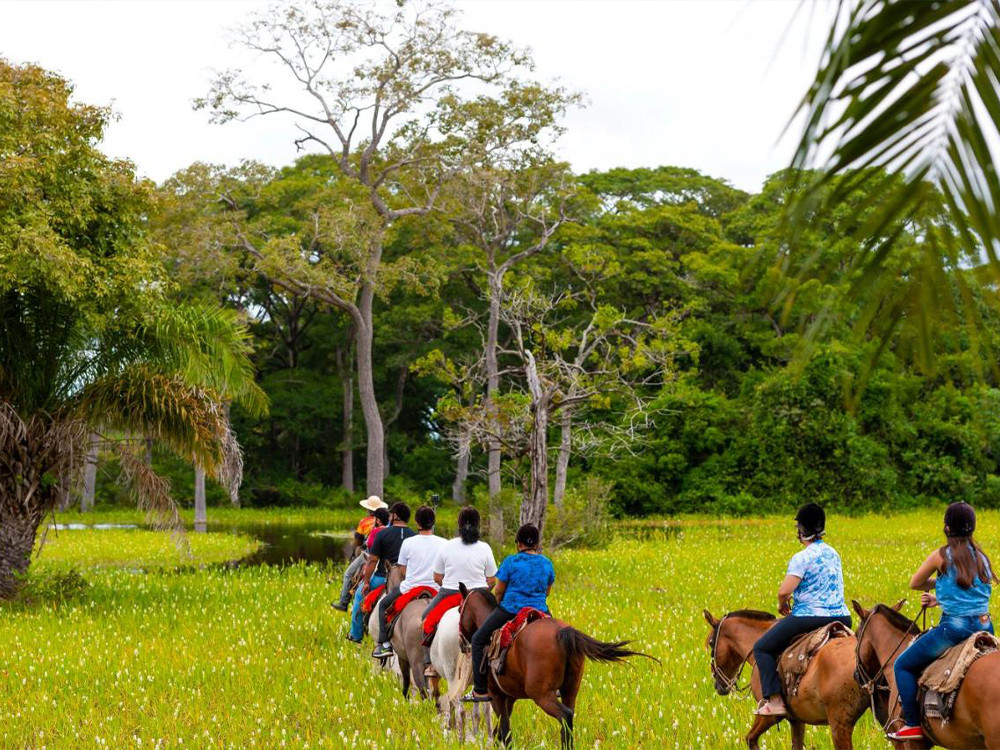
(160, 646)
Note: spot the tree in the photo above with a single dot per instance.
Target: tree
(385, 93)
(88, 341)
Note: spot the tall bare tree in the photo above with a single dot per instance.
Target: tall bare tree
(390, 93)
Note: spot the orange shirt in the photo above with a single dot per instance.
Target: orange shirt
(365, 525)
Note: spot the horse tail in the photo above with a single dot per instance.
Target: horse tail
(575, 643)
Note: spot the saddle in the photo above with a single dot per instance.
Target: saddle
(368, 603)
(941, 680)
(503, 638)
(395, 609)
(796, 658)
(433, 618)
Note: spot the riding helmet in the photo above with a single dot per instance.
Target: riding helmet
(812, 519)
(959, 520)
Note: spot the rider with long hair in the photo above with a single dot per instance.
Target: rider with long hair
(963, 584)
(523, 580)
(810, 596)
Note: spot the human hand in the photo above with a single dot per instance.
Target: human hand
(928, 600)
(784, 608)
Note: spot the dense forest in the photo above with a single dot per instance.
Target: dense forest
(751, 409)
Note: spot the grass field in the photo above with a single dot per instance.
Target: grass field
(255, 657)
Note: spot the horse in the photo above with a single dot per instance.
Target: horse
(827, 694)
(456, 668)
(545, 663)
(884, 633)
(406, 639)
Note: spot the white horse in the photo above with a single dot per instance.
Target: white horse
(455, 667)
(378, 665)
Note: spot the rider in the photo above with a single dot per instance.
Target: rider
(357, 617)
(523, 580)
(365, 525)
(464, 559)
(416, 563)
(963, 585)
(816, 582)
(385, 553)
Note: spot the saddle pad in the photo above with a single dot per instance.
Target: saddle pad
(433, 618)
(796, 658)
(373, 596)
(945, 675)
(397, 607)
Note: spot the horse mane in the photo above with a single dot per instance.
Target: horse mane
(752, 614)
(898, 619)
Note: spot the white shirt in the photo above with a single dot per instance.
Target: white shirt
(418, 554)
(470, 564)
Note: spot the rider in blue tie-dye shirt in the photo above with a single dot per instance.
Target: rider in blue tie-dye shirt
(815, 582)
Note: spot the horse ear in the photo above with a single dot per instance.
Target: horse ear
(464, 591)
(899, 605)
(862, 612)
(711, 620)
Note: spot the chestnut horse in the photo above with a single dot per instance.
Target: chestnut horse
(545, 663)
(883, 635)
(827, 694)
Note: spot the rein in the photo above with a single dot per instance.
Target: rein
(871, 684)
(729, 683)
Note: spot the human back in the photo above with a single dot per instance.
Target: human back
(820, 593)
(418, 554)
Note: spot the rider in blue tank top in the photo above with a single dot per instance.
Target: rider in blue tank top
(963, 586)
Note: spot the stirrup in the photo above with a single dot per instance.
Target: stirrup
(764, 709)
(475, 697)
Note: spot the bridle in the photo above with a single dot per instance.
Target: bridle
(873, 683)
(728, 683)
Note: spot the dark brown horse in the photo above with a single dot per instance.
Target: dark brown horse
(883, 635)
(544, 664)
(827, 694)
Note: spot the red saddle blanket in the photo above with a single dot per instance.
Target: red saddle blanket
(397, 607)
(433, 618)
(368, 603)
(525, 617)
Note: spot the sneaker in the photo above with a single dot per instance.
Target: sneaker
(767, 708)
(907, 733)
(339, 607)
(475, 697)
(353, 640)
(382, 652)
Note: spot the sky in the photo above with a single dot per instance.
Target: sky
(708, 84)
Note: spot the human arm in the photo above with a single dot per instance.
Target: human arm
(785, 591)
(366, 574)
(491, 581)
(500, 590)
(922, 580)
(439, 579)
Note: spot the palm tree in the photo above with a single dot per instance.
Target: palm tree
(90, 339)
(909, 88)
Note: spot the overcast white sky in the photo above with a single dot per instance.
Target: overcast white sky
(708, 84)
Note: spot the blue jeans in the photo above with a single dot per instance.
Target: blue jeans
(767, 650)
(952, 630)
(357, 618)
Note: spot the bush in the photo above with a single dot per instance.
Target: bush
(583, 519)
(57, 586)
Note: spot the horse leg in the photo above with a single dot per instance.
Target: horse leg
(405, 677)
(842, 733)
(798, 734)
(567, 695)
(503, 706)
(760, 725)
(551, 705)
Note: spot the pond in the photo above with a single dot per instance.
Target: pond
(286, 544)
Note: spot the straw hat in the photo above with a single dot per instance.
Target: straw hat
(373, 503)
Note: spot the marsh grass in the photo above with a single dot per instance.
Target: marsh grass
(255, 657)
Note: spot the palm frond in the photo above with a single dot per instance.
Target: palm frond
(152, 491)
(209, 346)
(912, 88)
(189, 420)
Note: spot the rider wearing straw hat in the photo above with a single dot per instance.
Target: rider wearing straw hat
(963, 586)
(816, 583)
(365, 525)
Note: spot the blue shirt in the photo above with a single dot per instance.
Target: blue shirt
(959, 602)
(820, 593)
(528, 577)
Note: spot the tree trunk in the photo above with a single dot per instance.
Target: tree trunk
(375, 476)
(397, 409)
(562, 462)
(90, 475)
(346, 369)
(534, 505)
(17, 539)
(234, 499)
(461, 469)
(200, 511)
(493, 385)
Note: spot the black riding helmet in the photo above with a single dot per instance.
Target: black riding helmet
(812, 519)
(959, 520)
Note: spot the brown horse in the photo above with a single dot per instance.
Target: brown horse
(827, 694)
(883, 635)
(545, 663)
(406, 643)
